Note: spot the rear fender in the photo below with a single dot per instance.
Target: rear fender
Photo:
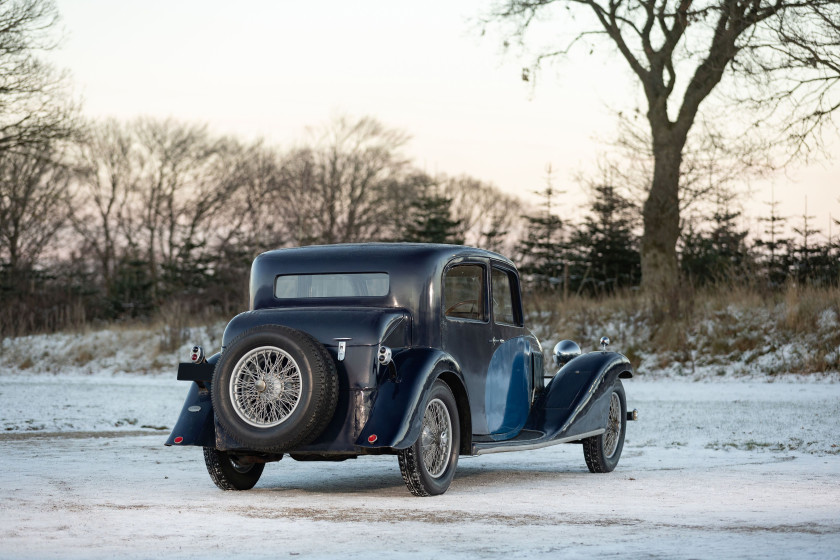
(397, 414)
(195, 425)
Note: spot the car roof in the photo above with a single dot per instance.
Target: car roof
(369, 257)
(413, 267)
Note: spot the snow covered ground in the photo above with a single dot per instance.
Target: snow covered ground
(724, 469)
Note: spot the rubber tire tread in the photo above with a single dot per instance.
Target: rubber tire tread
(322, 406)
(593, 447)
(226, 477)
(411, 463)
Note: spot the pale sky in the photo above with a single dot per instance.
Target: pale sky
(271, 68)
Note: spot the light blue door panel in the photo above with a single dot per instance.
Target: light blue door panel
(507, 397)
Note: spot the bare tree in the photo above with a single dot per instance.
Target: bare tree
(155, 189)
(680, 51)
(345, 186)
(186, 179)
(107, 177)
(34, 114)
(487, 215)
(253, 218)
(711, 161)
(34, 205)
(33, 106)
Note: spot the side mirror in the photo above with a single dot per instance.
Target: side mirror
(565, 351)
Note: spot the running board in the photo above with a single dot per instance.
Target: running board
(510, 445)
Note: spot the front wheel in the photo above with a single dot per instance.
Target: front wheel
(228, 473)
(602, 452)
(428, 466)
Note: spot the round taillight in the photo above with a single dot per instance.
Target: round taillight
(372, 439)
(178, 439)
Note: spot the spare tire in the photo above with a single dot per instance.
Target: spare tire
(274, 388)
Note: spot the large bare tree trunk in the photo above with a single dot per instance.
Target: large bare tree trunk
(661, 214)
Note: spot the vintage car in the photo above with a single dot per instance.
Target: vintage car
(414, 350)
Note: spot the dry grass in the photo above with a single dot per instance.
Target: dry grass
(717, 330)
(729, 330)
(136, 346)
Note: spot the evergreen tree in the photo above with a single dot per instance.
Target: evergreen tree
(808, 257)
(430, 221)
(777, 263)
(541, 251)
(607, 244)
(814, 262)
(719, 254)
(131, 289)
(494, 238)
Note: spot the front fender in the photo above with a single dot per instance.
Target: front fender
(397, 414)
(577, 398)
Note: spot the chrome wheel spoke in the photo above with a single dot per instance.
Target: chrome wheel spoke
(265, 387)
(613, 426)
(435, 442)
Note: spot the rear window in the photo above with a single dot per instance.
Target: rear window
(365, 284)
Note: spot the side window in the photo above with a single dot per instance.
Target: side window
(503, 297)
(463, 292)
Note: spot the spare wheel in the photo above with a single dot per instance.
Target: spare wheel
(274, 388)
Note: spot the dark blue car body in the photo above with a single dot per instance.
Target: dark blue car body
(480, 348)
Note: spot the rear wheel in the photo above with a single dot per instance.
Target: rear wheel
(602, 452)
(428, 466)
(228, 473)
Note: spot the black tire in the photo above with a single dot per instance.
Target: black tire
(228, 474)
(603, 452)
(430, 474)
(274, 389)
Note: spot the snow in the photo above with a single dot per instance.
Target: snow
(716, 468)
(112, 351)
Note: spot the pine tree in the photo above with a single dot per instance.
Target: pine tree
(719, 254)
(430, 221)
(542, 251)
(808, 257)
(814, 262)
(494, 238)
(607, 243)
(777, 264)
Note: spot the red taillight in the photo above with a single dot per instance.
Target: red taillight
(372, 439)
(178, 439)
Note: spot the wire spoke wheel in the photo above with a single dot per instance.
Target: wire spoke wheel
(265, 387)
(602, 452)
(613, 426)
(436, 438)
(428, 465)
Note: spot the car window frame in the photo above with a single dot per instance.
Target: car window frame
(485, 272)
(515, 292)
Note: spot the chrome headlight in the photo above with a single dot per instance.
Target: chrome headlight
(565, 351)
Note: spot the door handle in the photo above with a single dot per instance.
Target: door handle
(495, 340)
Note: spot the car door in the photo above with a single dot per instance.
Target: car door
(509, 380)
(466, 331)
